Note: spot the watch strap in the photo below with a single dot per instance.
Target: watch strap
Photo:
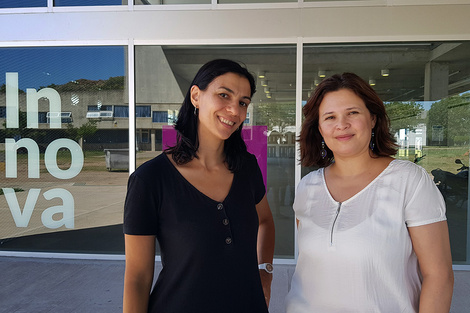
(268, 267)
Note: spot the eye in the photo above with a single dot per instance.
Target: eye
(223, 95)
(244, 104)
(353, 112)
(329, 117)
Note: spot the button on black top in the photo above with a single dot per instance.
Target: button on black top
(225, 221)
(220, 206)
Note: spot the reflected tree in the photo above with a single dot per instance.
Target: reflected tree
(80, 134)
(276, 116)
(404, 115)
(453, 115)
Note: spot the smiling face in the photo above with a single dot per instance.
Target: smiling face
(345, 123)
(222, 105)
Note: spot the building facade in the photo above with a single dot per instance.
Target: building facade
(86, 84)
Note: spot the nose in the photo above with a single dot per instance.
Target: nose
(343, 123)
(234, 108)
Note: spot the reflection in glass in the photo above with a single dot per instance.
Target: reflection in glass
(68, 3)
(22, 3)
(427, 98)
(256, 1)
(163, 76)
(163, 2)
(58, 193)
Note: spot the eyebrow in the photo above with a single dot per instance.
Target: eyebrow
(232, 92)
(347, 109)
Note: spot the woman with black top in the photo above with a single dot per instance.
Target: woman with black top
(204, 200)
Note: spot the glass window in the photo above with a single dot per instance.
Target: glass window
(427, 96)
(271, 114)
(335, 0)
(142, 111)
(163, 2)
(256, 1)
(160, 117)
(22, 3)
(65, 3)
(100, 107)
(121, 111)
(43, 118)
(145, 136)
(59, 168)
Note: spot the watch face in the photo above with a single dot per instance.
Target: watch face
(269, 267)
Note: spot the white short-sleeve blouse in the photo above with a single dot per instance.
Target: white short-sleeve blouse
(357, 256)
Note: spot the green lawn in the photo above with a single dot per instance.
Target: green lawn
(439, 157)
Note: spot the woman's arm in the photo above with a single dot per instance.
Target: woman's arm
(138, 277)
(265, 243)
(432, 247)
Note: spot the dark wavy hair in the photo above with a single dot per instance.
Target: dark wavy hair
(310, 138)
(187, 142)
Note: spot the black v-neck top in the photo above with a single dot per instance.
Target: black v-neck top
(208, 248)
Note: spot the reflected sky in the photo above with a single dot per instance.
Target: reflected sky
(43, 66)
(43, 3)
(86, 2)
(22, 3)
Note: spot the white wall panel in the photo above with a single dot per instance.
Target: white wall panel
(383, 23)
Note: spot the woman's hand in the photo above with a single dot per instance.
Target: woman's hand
(266, 279)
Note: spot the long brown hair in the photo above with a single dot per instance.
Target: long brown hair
(310, 138)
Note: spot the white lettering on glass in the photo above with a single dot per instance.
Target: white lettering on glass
(32, 98)
(11, 148)
(67, 209)
(21, 218)
(13, 114)
(50, 158)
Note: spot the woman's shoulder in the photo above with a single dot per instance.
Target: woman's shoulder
(405, 165)
(249, 161)
(152, 167)
(407, 170)
(313, 177)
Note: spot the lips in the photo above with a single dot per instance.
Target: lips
(344, 137)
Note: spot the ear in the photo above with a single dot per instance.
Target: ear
(373, 120)
(195, 93)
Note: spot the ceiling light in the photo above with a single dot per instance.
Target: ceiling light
(385, 72)
(262, 74)
(268, 95)
(371, 81)
(316, 82)
(264, 83)
(266, 89)
(321, 74)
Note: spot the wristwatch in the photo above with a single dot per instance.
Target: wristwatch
(268, 267)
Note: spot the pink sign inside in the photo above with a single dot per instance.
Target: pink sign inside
(256, 139)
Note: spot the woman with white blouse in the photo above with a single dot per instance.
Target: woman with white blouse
(372, 230)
